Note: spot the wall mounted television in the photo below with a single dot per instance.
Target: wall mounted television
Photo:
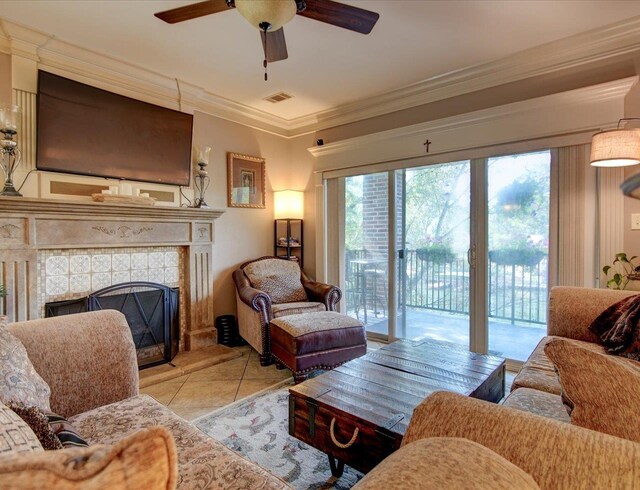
(88, 131)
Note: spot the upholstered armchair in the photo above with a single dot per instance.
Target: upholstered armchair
(270, 287)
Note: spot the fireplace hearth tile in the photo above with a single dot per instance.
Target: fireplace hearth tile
(139, 275)
(171, 275)
(187, 362)
(57, 265)
(156, 260)
(156, 275)
(139, 261)
(101, 263)
(120, 277)
(120, 262)
(100, 280)
(80, 283)
(57, 285)
(171, 259)
(80, 264)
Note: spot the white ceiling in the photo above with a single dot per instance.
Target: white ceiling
(327, 66)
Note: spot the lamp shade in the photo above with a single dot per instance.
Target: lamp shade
(288, 204)
(275, 12)
(9, 117)
(616, 148)
(203, 155)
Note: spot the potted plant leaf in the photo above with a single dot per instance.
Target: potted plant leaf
(623, 271)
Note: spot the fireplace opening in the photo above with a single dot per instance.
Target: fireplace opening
(152, 312)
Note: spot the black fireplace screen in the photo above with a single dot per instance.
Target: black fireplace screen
(152, 311)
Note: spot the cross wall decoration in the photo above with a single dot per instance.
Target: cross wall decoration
(427, 144)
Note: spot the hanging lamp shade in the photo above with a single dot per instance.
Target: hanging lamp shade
(616, 148)
(274, 12)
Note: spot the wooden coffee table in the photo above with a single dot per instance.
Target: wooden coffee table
(358, 413)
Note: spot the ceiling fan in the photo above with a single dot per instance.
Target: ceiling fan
(270, 15)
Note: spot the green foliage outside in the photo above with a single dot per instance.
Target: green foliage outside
(3, 291)
(519, 210)
(437, 207)
(353, 216)
(437, 253)
(526, 255)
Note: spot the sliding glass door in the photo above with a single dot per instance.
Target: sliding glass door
(420, 261)
(518, 232)
(433, 270)
(366, 251)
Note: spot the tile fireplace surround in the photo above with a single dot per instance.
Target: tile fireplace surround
(56, 250)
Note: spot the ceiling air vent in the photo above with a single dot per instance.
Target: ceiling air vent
(279, 97)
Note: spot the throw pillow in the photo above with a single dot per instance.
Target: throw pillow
(617, 327)
(145, 459)
(279, 279)
(39, 424)
(281, 288)
(66, 433)
(15, 435)
(601, 392)
(53, 430)
(19, 381)
(446, 462)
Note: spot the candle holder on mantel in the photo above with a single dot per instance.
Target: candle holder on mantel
(202, 180)
(9, 153)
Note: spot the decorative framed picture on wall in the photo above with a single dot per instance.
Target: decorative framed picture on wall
(246, 183)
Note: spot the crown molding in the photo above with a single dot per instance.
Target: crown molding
(58, 56)
(577, 111)
(578, 50)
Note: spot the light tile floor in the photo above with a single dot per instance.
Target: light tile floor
(201, 392)
(204, 391)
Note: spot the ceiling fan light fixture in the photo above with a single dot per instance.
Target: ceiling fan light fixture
(274, 12)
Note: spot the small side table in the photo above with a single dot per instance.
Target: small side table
(288, 234)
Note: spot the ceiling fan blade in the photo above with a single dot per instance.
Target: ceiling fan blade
(192, 11)
(274, 46)
(341, 15)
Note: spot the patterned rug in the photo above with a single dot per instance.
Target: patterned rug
(257, 427)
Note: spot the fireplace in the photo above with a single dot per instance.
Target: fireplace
(152, 312)
(55, 251)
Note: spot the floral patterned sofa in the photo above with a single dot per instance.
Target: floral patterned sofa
(536, 388)
(89, 362)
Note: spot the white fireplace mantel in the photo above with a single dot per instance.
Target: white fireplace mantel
(30, 226)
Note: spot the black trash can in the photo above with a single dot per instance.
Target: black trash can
(227, 328)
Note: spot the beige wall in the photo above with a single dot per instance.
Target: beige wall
(302, 178)
(5, 78)
(245, 234)
(631, 206)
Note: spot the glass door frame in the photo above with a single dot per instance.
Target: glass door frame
(478, 252)
(478, 257)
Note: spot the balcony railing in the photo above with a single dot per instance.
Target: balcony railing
(517, 293)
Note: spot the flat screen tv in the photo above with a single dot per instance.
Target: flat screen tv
(88, 131)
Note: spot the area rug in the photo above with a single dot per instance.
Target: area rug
(257, 427)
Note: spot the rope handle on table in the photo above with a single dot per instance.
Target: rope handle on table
(336, 442)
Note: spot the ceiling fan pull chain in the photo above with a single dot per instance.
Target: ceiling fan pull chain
(265, 26)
